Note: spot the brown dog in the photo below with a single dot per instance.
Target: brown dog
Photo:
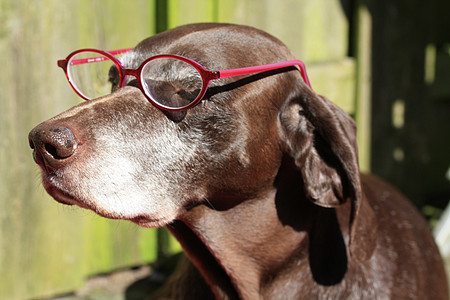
(259, 182)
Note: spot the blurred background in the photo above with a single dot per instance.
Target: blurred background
(387, 63)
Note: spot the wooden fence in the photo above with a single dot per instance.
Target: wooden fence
(46, 248)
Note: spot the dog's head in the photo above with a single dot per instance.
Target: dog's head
(124, 158)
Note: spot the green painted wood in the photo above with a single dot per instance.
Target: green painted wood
(315, 31)
(111, 24)
(364, 84)
(46, 248)
(336, 81)
(193, 11)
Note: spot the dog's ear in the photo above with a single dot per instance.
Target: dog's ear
(321, 138)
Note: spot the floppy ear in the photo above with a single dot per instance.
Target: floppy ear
(321, 138)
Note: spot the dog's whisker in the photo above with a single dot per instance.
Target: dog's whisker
(209, 203)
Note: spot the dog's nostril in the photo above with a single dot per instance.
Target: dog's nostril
(30, 142)
(52, 151)
(52, 145)
(60, 144)
(58, 152)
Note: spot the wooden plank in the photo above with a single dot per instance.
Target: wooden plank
(193, 11)
(439, 83)
(314, 30)
(364, 84)
(336, 81)
(114, 24)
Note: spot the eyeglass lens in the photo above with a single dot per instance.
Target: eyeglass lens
(92, 74)
(170, 82)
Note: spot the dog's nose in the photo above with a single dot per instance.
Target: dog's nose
(52, 145)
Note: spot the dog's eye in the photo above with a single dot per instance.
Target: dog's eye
(169, 94)
(171, 82)
(188, 95)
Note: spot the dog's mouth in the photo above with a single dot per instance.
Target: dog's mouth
(146, 222)
(61, 196)
(68, 198)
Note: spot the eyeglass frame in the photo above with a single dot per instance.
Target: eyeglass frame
(207, 75)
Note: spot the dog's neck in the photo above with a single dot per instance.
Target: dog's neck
(234, 248)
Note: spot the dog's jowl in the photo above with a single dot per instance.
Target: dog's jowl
(254, 173)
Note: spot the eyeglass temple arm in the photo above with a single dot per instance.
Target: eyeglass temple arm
(264, 68)
(120, 51)
(63, 62)
(220, 74)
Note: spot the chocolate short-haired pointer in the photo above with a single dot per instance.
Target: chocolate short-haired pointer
(253, 172)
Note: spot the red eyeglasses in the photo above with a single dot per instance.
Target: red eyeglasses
(169, 82)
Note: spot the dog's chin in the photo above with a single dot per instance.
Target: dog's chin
(67, 198)
(146, 222)
(59, 195)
